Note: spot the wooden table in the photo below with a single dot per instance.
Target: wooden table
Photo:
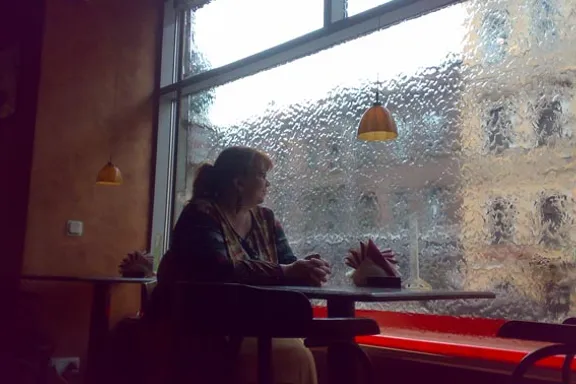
(341, 303)
(99, 314)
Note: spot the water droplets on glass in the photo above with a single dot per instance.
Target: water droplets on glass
(495, 33)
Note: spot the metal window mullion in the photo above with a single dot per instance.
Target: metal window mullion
(337, 10)
(181, 160)
(168, 125)
(172, 139)
(163, 179)
(169, 42)
(164, 147)
(177, 123)
(180, 130)
(327, 13)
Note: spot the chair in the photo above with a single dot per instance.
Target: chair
(570, 321)
(236, 311)
(542, 353)
(145, 293)
(564, 337)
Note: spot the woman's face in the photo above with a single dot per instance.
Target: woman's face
(255, 186)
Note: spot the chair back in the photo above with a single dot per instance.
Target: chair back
(548, 351)
(231, 312)
(146, 290)
(570, 321)
(563, 335)
(534, 331)
(227, 309)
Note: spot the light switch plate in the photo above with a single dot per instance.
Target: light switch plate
(74, 228)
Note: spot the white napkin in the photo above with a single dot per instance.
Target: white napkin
(366, 269)
(369, 261)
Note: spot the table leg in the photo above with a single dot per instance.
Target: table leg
(341, 308)
(99, 327)
(341, 364)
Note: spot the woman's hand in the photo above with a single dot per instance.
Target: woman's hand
(325, 264)
(311, 270)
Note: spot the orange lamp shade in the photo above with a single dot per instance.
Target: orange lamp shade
(377, 124)
(109, 175)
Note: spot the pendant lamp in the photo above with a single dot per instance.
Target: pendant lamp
(377, 123)
(109, 175)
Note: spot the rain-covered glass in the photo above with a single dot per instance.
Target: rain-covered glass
(484, 165)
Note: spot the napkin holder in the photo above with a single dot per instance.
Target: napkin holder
(384, 282)
(134, 274)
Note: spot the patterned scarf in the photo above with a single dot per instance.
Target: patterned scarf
(261, 237)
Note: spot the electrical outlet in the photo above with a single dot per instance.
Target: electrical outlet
(61, 363)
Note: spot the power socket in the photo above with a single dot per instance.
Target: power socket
(61, 363)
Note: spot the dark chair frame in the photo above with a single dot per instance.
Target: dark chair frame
(237, 311)
(550, 350)
(563, 335)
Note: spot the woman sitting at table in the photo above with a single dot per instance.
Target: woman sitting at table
(224, 235)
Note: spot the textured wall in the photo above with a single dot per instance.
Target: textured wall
(20, 30)
(95, 99)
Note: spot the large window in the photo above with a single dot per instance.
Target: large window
(224, 31)
(460, 145)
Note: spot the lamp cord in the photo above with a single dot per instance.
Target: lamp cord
(114, 117)
(378, 70)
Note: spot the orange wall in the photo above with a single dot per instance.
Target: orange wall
(96, 98)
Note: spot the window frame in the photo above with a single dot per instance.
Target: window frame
(337, 29)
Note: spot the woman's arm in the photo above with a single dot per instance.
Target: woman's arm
(201, 254)
(283, 250)
(285, 254)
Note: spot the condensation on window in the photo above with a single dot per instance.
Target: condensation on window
(495, 33)
(485, 160)
(555, 220)
(368, 211)
(548, 123)
(498, 127)
(500, 217)
(545, 14)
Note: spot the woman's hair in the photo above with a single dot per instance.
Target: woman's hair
(212, 179)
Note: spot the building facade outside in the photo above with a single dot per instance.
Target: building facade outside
(518, 153)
